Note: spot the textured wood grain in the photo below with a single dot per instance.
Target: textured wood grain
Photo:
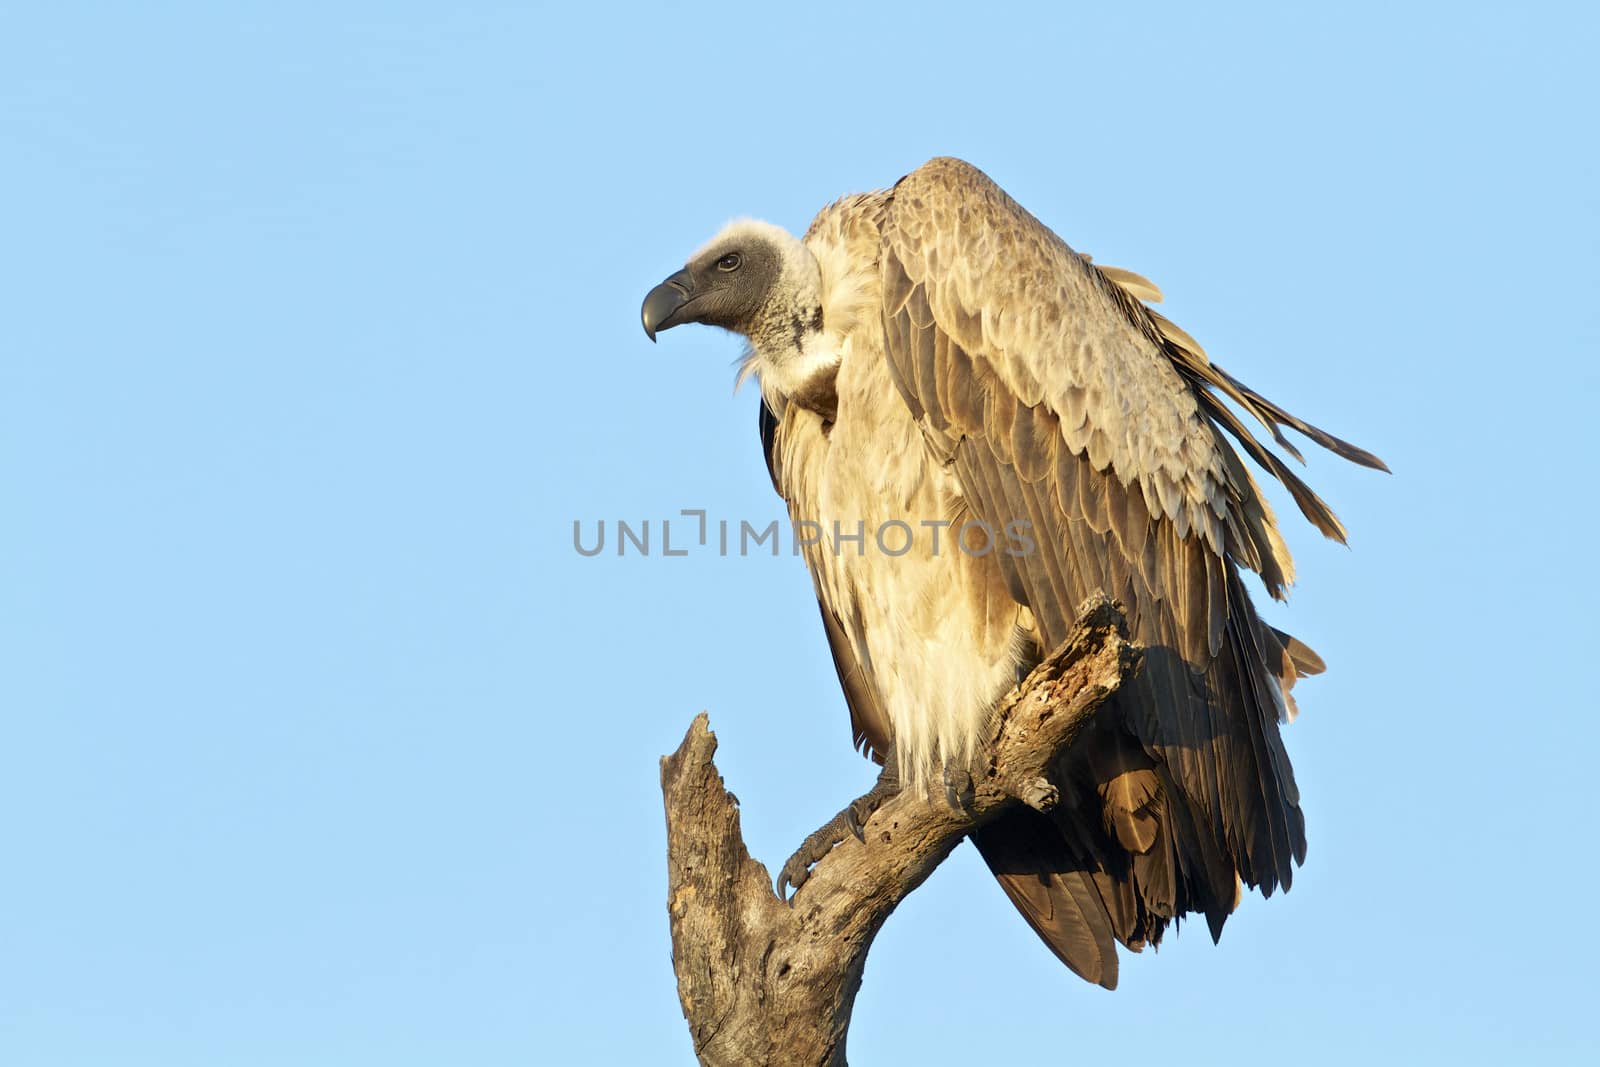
(763, 981)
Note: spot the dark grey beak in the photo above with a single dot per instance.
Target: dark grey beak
(664, 303)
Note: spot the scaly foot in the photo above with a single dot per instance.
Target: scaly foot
(852, 820)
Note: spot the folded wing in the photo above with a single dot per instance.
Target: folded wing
(1061, 401)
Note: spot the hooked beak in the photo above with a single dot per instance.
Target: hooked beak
(664, 303)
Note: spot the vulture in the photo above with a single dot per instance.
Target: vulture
(932, 359)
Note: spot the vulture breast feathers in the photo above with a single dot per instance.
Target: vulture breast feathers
(1038, 388)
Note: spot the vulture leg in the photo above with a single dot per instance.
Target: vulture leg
(852, 820)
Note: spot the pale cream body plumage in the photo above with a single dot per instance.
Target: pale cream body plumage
(909, 618)
(933, 353)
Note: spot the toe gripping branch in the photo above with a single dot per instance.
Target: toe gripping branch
(851, 821)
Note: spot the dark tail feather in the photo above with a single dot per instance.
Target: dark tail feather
(1063, 906)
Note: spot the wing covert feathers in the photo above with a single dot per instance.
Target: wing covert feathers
(1061, 400)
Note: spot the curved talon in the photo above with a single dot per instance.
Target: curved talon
(959, 786)
(791, 877)
(857, 812)
(851, 822)
(857, 828)
(797, 869)
(788, 879)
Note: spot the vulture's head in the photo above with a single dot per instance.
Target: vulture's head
(753, 278)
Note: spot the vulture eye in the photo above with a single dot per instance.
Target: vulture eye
(729, 262)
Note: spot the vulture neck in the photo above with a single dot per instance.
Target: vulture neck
(790, 351)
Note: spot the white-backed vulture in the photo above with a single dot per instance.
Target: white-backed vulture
(934, 356)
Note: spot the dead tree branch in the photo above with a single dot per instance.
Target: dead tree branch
(763, 981)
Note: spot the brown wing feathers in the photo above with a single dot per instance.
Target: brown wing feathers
(1190, 783)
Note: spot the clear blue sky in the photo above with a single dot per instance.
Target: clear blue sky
(319, 327)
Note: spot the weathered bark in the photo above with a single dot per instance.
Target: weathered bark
(764, 981)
